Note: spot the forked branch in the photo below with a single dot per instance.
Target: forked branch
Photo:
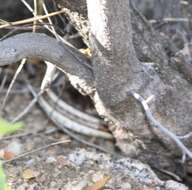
(155, 123)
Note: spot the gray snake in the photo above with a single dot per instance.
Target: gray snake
(27, 45)
(74, 64)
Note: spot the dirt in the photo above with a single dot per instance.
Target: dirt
(71, 165)
(51, 167)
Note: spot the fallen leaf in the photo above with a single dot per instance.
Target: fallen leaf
(15, 147)
(8, 155)
(99, 184)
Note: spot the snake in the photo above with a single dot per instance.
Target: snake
(72, 62)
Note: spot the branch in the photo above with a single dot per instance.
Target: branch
(155, 123)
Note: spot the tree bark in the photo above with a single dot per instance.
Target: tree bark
(118, 71)
(114, 59)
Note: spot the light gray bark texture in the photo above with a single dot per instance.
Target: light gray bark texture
(117, 71)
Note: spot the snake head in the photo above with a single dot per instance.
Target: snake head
(8, 55)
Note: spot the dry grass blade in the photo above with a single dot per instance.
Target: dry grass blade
(29, 20)
(36, 150)
(12, 82)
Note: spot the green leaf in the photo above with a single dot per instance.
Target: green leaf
(3, 185)
(6, 127)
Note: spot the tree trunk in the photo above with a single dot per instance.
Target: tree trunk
(114, 59)
(118, 71)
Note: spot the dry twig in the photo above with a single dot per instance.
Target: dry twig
(12, 82)
(29, 20)
(36, 150)
(28, 108)
(155, 123)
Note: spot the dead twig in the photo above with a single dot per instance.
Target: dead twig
(155, 123)
(185, 136)
(21, 135)
(3, 83)
(28, 108)
(168, 173)
(12, 82)
(14, 91)
(170, 20)
(36, 150)
(75, 137)
(29, 20)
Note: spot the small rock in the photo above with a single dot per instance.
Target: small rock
(30, 162)
(62, 161)
(77, 158)
(173, 185)
(126, 186)
(50, 159)
(76, 186)
(15, 147)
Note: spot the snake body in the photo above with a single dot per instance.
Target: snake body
(28, 45)
(74, 64)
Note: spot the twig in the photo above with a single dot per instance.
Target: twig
(29, 20)
(48, 76)
(3, 83)
(20, 135)
(75, 137)
(36, 150)
(12, 82)
(168, 20)
(185, 136)
(168, 173)
(155, 123)
(36, 14)
(144, 20)
(51, 69)
(51, 29)
(14, 91)
(28, 108)
(49, 19)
